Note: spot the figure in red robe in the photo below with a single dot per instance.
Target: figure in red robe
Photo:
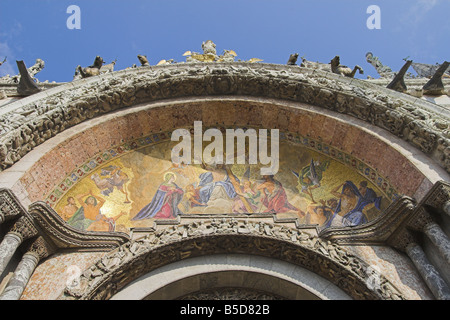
(274, 197)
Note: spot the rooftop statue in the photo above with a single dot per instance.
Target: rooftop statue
(32, 71)
(90, 71)
(227, 56)
(166, 62)
(143, 60)
(209, 47)
(97, 68)
(292, 59)
(337, 68)
(36, 68)
(108, 67)
(210, 54)
(383, 71)
(315, 65)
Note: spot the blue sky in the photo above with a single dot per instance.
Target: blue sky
(267, 29)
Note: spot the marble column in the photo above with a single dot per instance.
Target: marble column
(439, 239)
(431, 276)
(8, 247)
(37, 251)
(22, 274)
(22, 230)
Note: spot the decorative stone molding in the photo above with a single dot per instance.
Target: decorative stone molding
(420, 219)
(136, 258)
(401, 239)
(66, 237)
(41, 248)
(10, 207)
(438, 196)
(376, 232)
(231, 294)
(24, 228)
(32, 120)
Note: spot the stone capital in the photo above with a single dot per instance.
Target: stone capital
(402, 239)
(25, 228)
(40, 248)
(10, 207)
(420, 220)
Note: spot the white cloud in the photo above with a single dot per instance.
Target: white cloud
(419, 9)
(7, 67)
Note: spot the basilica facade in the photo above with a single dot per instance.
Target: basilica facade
(93, 207)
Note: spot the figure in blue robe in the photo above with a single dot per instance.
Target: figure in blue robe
(356, 217)
(207, 185)
(164, 204)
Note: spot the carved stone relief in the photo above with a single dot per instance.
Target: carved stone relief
(28, 125)
(161, 247)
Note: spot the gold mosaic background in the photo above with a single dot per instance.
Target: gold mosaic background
(146, 177)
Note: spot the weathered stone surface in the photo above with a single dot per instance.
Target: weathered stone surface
(136, 258)
(33, 120)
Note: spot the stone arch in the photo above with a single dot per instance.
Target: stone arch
(136, 258)
(230, 274)
(126, 130)
(33, 120)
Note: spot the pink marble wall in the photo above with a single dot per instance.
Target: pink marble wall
(51, 277)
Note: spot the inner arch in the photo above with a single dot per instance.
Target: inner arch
(195, 276)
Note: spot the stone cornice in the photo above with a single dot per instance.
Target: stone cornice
(10, 207)
(420, 217)
(437, 196)
(29, 122)
(65, 237)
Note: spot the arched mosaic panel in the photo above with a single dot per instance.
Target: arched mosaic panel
(134, 184)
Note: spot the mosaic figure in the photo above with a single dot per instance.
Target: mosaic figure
(164, 204)
(248, 193)
(352, 202)
(274, 197)
(310, 176)
(88, 211)
(115, 178)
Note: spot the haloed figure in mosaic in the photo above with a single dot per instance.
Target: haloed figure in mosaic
(352, 202)
(164, 204)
